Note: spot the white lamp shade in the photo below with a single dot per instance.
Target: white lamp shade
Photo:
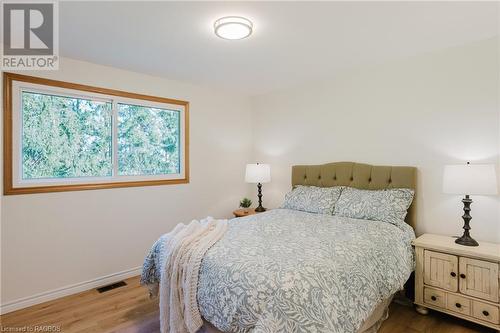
(258, 173)
(478, 179)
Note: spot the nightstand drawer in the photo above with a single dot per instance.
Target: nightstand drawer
(434, 297)
(486, 312)
(458, 304)
(441, 270)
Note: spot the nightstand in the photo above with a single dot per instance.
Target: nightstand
(244, 212)
(458, 280)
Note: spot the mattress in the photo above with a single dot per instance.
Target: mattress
(291, 271)
(371, 324)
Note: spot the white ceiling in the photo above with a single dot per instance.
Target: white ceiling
(293, 42)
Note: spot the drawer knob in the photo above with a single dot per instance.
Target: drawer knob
(453, 274)
(433, 298)
(458, 305)
(462, 276)
(486, 313)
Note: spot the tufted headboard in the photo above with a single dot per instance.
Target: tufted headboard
(362, 176)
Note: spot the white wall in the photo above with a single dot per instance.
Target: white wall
(55, 240)
(427, 111)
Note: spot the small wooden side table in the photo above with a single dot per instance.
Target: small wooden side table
(244, 212)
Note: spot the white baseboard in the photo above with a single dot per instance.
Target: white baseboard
(50, 295)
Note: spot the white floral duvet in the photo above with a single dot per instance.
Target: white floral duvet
(291, 271)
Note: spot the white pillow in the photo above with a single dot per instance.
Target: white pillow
(313, 199)
(389, 205)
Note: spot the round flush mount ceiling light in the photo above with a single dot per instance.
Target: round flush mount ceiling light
(233, 27)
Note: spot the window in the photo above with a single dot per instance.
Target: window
(61, 136)
(148, 140)
(64, 137)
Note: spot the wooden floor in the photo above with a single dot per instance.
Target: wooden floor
(129, 309)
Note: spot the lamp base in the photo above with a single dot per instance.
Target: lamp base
(467, 241)
(260, 208)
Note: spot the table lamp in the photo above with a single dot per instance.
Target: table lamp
(469, 179)
(258, 174)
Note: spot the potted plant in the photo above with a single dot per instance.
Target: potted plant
(245, 203)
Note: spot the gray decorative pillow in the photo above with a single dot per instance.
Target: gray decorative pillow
(313, 199)
(390, 205)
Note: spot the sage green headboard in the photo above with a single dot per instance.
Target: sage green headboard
(362, 176)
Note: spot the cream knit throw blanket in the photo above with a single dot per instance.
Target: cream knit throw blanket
(185, 247)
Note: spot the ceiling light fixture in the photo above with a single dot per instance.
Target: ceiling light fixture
(233, 27)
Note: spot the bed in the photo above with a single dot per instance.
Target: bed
(292, 271)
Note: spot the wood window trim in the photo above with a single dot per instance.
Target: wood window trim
(9, 188)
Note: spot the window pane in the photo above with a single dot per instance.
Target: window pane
(148, 140)
(65, 137)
